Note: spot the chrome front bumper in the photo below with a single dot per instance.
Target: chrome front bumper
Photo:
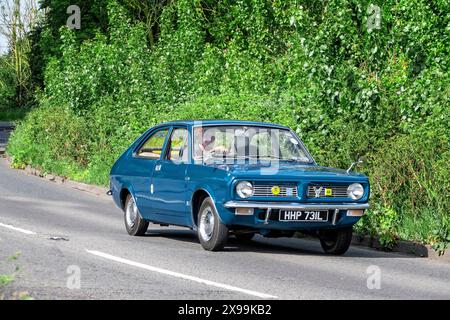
(296, 206)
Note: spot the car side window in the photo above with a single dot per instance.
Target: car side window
(178, 146)
(153, 147)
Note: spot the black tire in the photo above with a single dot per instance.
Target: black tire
(244, 237)
(212, 233)
(139, 226)
(336, 242)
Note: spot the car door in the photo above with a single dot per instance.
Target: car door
(145, 158)
(169, 179)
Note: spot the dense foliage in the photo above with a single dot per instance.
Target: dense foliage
(348, 86)
(7, 88)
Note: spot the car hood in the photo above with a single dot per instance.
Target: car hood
(290, 171)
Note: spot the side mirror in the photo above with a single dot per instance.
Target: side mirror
(359, 161)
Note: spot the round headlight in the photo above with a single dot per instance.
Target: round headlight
(244, 189)
(355, 191)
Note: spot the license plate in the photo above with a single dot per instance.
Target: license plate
(298, 215)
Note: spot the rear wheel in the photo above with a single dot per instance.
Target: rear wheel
(336, 242)
(135, 225)
(212, 233)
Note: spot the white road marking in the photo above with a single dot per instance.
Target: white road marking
(16, 229)
(182, 276)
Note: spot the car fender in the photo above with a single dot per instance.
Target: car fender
(129, 187)
(217, 206)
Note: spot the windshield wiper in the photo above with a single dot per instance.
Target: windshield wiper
(288, 159)
(217, 158)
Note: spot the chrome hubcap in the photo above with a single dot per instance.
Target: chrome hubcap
(131, 213)
(207, 224)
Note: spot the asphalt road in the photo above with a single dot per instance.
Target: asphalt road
(98, 260)
(5, 131)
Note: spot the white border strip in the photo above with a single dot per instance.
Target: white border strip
(182, 276)
(17, 229)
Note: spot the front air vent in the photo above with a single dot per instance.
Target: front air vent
(327, 191)
(282, 190)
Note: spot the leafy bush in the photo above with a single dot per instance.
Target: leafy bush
(7, 90)
(315, 66)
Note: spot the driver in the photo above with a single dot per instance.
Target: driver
(207, 145)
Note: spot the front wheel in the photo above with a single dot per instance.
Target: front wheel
(336, 242)
(212, 233)
(135, 225)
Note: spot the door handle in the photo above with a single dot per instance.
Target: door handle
(158, 167)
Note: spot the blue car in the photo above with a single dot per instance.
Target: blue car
(239, 178)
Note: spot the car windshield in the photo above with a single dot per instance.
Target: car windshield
(231, 143)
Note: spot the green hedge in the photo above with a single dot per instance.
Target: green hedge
(313, 66)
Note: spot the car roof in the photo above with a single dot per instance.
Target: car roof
(221, 123)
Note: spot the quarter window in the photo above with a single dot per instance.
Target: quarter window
(178, 146)
(153, 147)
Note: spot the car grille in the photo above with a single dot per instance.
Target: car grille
(265, 190)
(337, 191)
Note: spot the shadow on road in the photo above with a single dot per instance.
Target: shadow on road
(295, 246)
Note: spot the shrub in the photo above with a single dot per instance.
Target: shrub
(314, 66)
